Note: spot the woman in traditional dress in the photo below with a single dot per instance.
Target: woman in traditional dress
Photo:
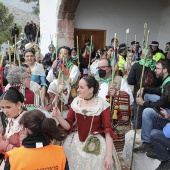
(89, 143)
(37, 71)
(19, 77)
(11, 105)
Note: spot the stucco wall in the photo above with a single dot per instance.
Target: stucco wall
(117, 17)
(48, 23)
(113, 16)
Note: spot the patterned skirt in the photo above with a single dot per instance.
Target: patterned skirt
(80, 160)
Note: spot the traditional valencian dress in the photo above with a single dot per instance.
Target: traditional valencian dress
(38, 74)
(83, 120)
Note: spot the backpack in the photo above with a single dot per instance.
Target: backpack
(149, 78)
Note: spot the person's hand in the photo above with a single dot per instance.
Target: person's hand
(54, 64)
(165, 113)
(108, 162)
(112, 91)
(138, 92)
(61, 87)
(139, 101)
(56, 113)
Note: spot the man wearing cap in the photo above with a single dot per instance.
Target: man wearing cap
(157, 53)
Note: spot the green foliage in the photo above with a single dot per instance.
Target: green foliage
(6, 22)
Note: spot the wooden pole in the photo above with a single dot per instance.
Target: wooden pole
(91, 42)
(9, 53)
(15, 50)
(78, 62)
(113, 69)
(141, 82)
(127, 32)
(2, 58)
(144, 35)
(37, 35)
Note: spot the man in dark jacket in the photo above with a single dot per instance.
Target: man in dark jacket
(154, 99)
(15, 31)
(134, 78)
(27, 31)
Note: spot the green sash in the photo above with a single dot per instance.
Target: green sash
(164, 83)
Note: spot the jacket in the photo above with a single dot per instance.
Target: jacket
(164, 100)
(30, 156)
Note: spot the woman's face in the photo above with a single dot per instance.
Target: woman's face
(29, 58)
(10, 109)
(83, 90)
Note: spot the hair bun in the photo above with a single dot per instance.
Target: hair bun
(20, 95)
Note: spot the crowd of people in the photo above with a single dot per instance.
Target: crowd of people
(86, 102)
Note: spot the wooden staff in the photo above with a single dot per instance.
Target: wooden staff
(37, 35)
(140, 91)
(15, 49)
(19, 62)
(127, 32)
(113, 69)
(90, 54)
(57, 94)
(2, 58)
(2, 71)
(78, 62)
(56, 39)
(9, 53)
(144, 35)
(135, 47)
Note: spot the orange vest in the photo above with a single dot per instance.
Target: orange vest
(49, 157)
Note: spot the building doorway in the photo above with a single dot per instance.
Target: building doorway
(98, 37)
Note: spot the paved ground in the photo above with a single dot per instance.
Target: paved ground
(2, 166)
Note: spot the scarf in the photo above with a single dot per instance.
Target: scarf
(69, 64)
(148, 63)
(164, 83)
(31, 140)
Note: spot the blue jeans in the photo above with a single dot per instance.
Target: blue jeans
(147, 97)
(147, 116)
(150, 120)
(151, 97)
(160, 144)
(158, 139)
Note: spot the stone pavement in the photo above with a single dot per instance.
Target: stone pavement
(2, 166)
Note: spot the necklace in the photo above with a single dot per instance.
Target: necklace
(89, 98)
